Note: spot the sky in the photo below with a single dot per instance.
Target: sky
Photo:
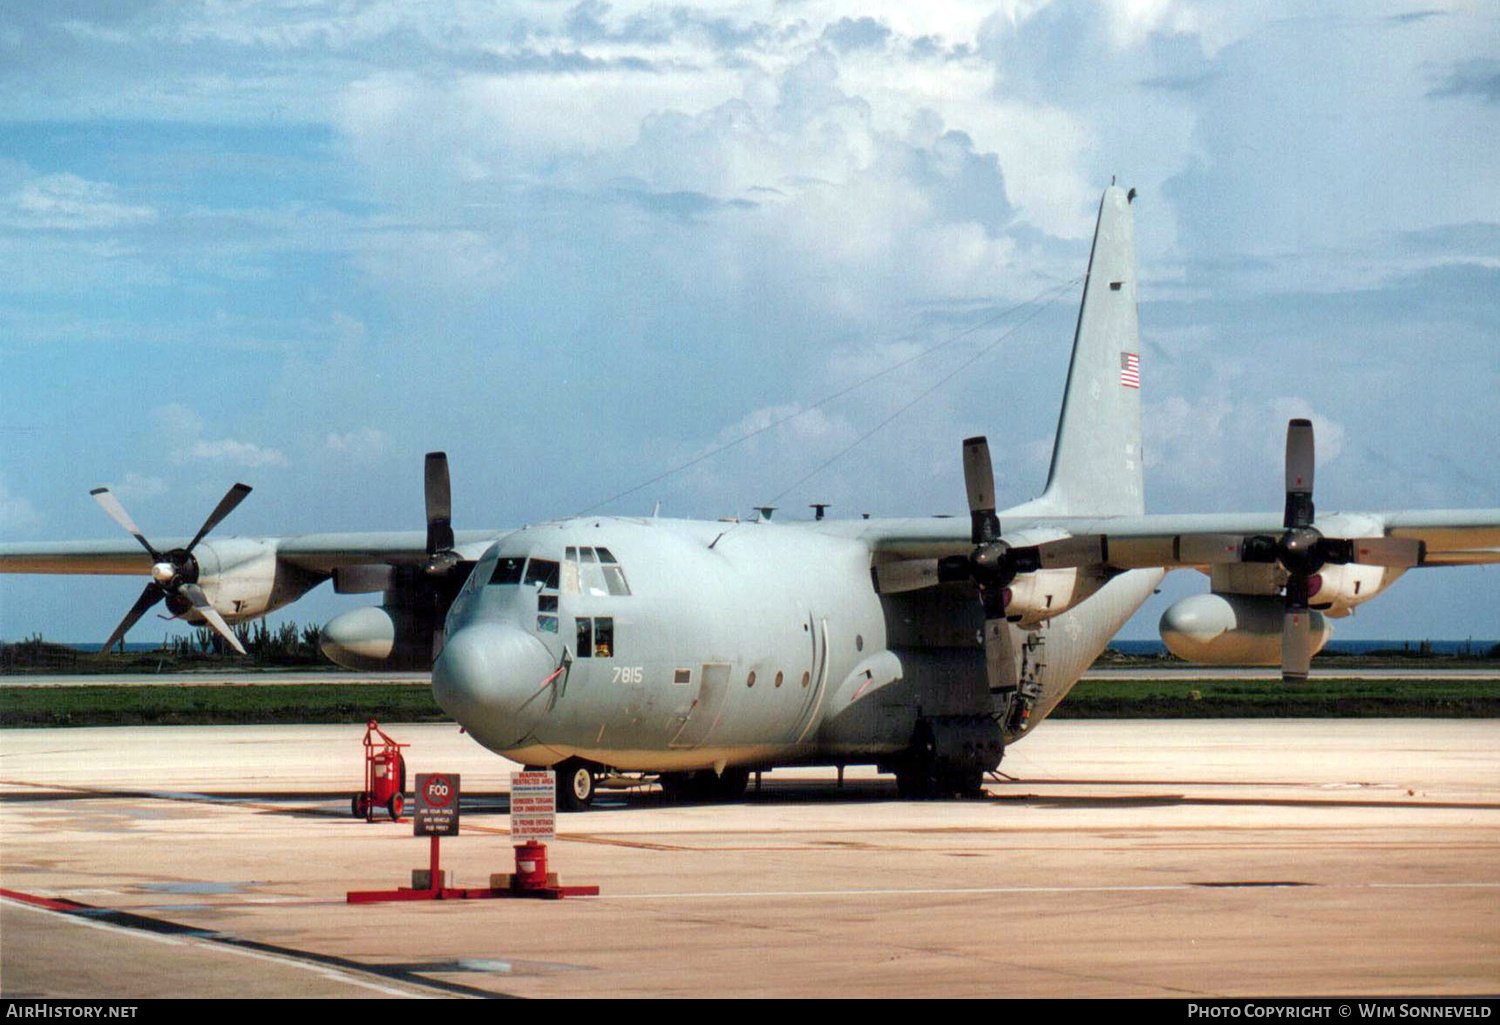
(577, 245)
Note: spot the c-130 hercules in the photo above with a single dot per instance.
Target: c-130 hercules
(698, 652)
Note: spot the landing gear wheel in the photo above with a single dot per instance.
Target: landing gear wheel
(704, 785)
(575, 785)
(917, 775)
(730, 785)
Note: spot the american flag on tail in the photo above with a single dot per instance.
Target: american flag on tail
(1130, 369)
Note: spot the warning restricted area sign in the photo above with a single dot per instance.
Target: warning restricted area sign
(533, 805)
(437, 804)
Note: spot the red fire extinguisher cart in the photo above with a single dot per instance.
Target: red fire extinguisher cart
(385, 776)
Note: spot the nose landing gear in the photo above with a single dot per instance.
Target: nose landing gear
(575, 783)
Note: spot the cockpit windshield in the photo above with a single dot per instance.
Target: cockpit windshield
(508, 569)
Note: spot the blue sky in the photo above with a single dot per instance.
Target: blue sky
(577, 244)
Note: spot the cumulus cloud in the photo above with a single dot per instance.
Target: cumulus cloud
(233, 452)
(182, 428)
(1223, 451)
(17, 514)
(139, 486)
(361, 446)
(66, 202)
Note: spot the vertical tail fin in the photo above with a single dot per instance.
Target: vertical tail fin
(1096, 459)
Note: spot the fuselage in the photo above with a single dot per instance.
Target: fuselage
(665, 645)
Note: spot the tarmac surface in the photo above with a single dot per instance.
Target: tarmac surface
(1125, 858)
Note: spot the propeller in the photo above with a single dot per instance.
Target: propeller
(438, 491)
(995, 563)
(1299, 550)
(445, 569)
(174, 574)
(1302, 550)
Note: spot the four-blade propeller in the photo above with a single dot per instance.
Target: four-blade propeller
(174, 574)
(1302, 550)
(995, 563)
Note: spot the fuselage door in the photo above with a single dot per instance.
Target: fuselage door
(703, 716)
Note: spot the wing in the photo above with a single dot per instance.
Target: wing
(1452, 537)
(316, 553)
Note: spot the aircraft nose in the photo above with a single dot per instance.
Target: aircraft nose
(491, 677)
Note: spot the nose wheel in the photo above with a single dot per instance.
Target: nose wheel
(575, 785)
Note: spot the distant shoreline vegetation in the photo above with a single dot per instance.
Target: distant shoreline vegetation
(290, 645)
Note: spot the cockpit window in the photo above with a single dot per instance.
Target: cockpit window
(594, 571)
(508, 570)
(544, 572)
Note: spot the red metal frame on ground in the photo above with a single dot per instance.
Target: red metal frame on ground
(549, 891)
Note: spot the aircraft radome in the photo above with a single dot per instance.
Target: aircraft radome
(698, 652)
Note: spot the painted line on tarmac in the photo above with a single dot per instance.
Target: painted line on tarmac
(329, 966)
(938, 891)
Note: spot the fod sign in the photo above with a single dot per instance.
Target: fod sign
(437, 804)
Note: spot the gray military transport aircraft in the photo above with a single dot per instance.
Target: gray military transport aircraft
(618, 648)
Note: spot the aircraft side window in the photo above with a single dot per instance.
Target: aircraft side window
(570, 578)
(596, 637)
(546, 609)
(508, 569)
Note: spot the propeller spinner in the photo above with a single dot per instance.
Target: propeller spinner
(174, 574)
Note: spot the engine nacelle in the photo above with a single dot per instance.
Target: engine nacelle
(243, 579)
(1337, 589)
(1232, 629)
(1041, 594)
(1045, 593)
(378, 638)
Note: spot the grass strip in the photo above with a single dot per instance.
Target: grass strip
(232, 704)
(1091, 699)
(1255, 699)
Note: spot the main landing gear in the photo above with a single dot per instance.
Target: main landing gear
(705, 785)
(948, 757)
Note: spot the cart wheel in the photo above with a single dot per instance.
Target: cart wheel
(357, 806)
(394, 806)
